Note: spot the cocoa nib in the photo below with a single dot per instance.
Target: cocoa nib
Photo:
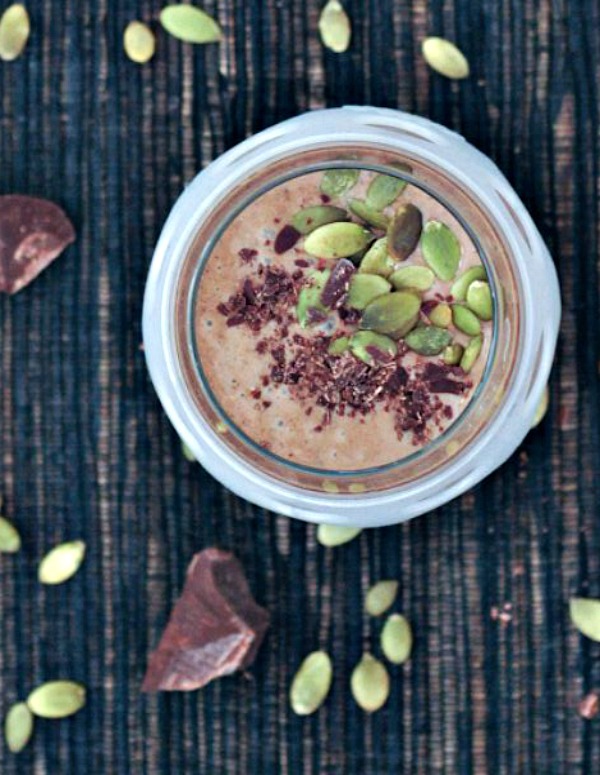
(215, 628)
(286, 239)
(33, 232)
(336, 287)
(256, 304)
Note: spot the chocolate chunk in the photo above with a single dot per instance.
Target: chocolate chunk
(215, 628)
(336, 287)
(447, 386)
(247, 254)
(286, 239)
(33, 232)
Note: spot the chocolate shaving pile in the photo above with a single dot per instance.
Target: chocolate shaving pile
(33, 232)
(215, 628)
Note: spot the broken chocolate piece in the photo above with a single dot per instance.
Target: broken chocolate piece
(215, 628)
(336, 287)
(33, 232)
(286, 239)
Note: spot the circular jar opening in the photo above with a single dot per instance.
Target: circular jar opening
(217, 367)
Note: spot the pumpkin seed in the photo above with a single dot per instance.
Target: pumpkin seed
(441, 249)
(190, 24)
(364, 288)
(334, 27)
(56, 699)
(311, 684)
(441, 315)
(310, 218)
(418, 278)
(585, 615)
(471, 353)
(394, 314)
(10, 540)
(380, 597)
(404, 232)
(139, 42)
(445, 58)
(335, 535)
(396, 639)
(337, 240)
(336, 182)
(479, 299)
(452, 354)
(428, 340)
(187, 452)
(384, 190)
(369, 214)
(461, 284)
(309, 298)
(61, 563)
(14, 32)
(465, 320)
(542, 408)
(18, 727)
(370, 684)
(339, 346)
(370, 348)
(377, 259)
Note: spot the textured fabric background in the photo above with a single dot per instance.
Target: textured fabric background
(85, 450)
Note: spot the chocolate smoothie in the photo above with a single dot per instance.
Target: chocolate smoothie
(343, 320)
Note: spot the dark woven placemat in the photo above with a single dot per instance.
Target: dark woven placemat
(86, 451)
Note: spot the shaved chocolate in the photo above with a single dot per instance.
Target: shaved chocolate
(286, 239)
(33, 232)
(336, 287)
(215, 628)
(447, 386)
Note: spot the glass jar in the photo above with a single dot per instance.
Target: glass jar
(521, 274)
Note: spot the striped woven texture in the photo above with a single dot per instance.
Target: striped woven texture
(86, 451)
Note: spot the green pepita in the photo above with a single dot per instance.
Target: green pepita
(310, 296)
(139, 42)
(311, 684)
(445, 58)
(585, 615)
(384, 190)
(337, 240)
(61, 563)
(364, 288)
(396, 639)
(404, 232)
(461, 284)
(418, 278)
(370, 347)
(377, 260)
(380, 597)
(56, 699)
(335, 535)
(541, 410)
(453, 354)
(369, 214)
(336, 182)
(335, 27)
(18, 727)
(441, 315)
(310, 218)
(471, 353)
(339, 346)
(187, 452)
(10, 540)
(370, 684)
(190, 24)
(465, 320)
(394, 314)
(14, 32)
(479, 299)
(441, 249)
(428, 340)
